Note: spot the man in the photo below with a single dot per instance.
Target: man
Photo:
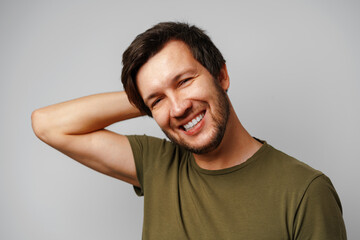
(213, 180)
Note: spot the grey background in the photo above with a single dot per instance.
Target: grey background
(295, 81)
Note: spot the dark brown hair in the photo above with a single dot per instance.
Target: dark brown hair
(150, 42)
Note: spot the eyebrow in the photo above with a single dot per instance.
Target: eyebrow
(174, 79)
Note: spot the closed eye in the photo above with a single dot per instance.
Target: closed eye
(154, 103)
(182, 82)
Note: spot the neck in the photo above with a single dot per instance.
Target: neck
(235, 148)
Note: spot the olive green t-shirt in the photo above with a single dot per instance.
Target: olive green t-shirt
(270, 196)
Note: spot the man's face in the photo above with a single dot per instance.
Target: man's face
(190, 106)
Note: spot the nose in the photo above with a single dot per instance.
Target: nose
(179, 107)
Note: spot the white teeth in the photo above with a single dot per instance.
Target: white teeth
(193, 122)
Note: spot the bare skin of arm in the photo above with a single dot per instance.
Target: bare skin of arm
(76, 128)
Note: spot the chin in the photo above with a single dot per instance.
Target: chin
(209, 144)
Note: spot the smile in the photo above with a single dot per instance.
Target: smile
(193, 122)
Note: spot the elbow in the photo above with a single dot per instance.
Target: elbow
(38, 123)
(44, 125)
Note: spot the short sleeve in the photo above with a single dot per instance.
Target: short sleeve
(151, 155)
(136, 147)
(319, 215)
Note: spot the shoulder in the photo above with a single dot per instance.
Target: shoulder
(285, 175)
(312, 199)
(143, 140)
(290, 169)
(149, 143)
(146, 148)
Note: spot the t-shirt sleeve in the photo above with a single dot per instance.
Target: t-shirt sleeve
(149, 155)
(136, 147)
(319, 215)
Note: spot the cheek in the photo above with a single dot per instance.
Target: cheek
(197, 91)
(204, 86)
(204, 94)
(161, 118)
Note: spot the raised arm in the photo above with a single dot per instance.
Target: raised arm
(76, 128)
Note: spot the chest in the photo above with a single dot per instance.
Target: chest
(231, 206)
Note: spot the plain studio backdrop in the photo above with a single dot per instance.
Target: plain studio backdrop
(294, 81)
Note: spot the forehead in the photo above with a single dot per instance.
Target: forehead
(173, 59)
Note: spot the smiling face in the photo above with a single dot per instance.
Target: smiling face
(188, 104)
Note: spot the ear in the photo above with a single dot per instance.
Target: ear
(224, 78)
